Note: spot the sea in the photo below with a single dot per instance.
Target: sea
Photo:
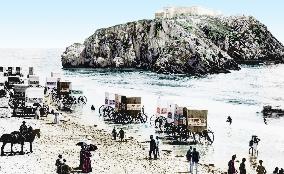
(239, 94)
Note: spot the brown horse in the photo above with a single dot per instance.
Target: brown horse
(17, 138)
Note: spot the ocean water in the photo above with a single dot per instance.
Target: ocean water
(240, 94)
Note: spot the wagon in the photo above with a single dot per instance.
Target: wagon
(2, 87)
(33, 81)
(51, 83)
(27, 100)
(34, 96)
(122, 109)
(64, 88)
(12, 71)
(17, 99)
(78, 94)
(182, 123)
(12, 80)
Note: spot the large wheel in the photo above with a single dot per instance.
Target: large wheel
(144, 117)
(170, 129)
(182, 132)
(210, 136)
(101, 108)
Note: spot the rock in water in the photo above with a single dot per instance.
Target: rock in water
(190, 44)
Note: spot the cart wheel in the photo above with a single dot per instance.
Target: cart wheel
(210, 136)
(145, 117)
(101, 110)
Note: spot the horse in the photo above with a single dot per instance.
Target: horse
(17, 138)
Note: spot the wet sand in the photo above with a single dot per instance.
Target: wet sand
(112, 156)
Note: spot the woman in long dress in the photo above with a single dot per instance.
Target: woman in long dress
(86, 168)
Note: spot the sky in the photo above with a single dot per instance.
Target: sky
(59, 23)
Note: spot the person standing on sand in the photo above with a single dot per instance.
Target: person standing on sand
(195, 159)
(231, 165)
(152, 148)
(143, 112)
(276, 170)
(58, 164)
(260, 168)
(121, 134)
(37, 113)
(243, 167)
(82, 151)
(189, 158)
(114, 133)
(87, 167)
(157, 146)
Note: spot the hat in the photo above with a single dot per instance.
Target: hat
(23, 122)
(260, 161)
(59, 156)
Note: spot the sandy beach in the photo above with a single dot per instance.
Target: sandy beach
(112, 156)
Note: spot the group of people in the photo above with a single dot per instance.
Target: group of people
(192, 157)
(278, 171)
(154, 147)
(242, 168)
(61, 166)
(121, 134)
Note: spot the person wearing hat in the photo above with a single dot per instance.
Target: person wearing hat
(195, 159)
(59, 164)
(23, 128)
(114, 133)
(260, 168)
(121, 134)
(231, 165)
(152, 147)
(243, 167)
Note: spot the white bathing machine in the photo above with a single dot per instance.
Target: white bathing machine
(34, 97)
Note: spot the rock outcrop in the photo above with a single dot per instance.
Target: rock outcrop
(184, 44)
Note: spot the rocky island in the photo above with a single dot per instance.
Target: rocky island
(180, 40)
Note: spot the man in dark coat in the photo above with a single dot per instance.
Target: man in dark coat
(152, 147)
(23, 128)
(189, 158)
(58, 164)
(121, 134)
(87, 167)
(243, 167)
(231, 165)
(260, 168)
(195, 159)
(114, 133)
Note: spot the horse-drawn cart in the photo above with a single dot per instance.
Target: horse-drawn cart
(27, 106)
(12, 80)
(122, 109)
(65, 97)
(182, 123)
(33, 81)
(2, 87)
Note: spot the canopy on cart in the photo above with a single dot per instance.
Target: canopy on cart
(34, 95)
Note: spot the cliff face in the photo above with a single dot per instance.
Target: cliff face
(186, 44)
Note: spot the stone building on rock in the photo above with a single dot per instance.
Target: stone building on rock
(170, 12)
